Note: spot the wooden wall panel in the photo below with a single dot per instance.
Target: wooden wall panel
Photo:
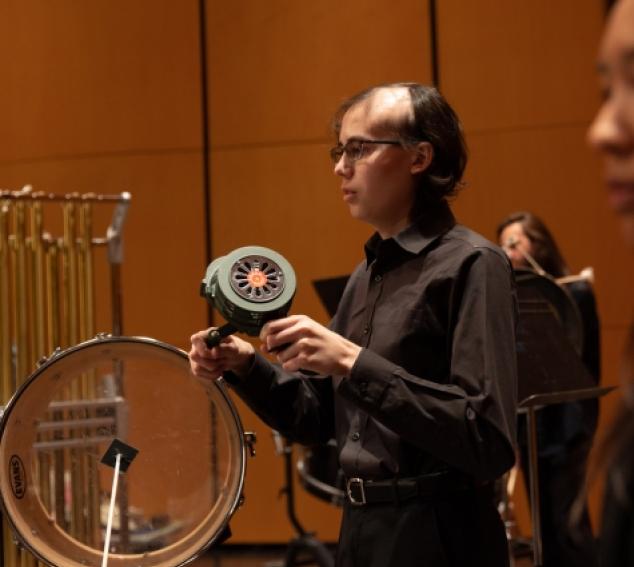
(92, 77)
(519, 64)
(278, 70)
(530, 169)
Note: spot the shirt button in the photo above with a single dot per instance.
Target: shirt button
(378, 278)
(366, 329)
(355, 436)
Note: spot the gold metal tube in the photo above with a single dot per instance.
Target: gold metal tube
(87, 277)
(23, 195)
(35, 312)
(38, 331)
(11, 558)
(26, 559)
(38, 287)
(6, 342)
(20, 322)
(53, 306)
(70, 328)
(24, 319)
(87, 330)
(7, 386)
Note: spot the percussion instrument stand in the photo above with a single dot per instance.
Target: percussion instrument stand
(304, 541)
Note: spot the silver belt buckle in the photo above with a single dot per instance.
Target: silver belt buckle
(359, 483)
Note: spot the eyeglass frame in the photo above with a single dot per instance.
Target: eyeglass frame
(338, 151)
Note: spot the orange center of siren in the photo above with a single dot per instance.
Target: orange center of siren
(257, 278)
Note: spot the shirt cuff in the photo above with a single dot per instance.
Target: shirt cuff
(258, 364)
(369, 378)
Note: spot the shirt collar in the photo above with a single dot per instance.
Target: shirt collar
(417, 236)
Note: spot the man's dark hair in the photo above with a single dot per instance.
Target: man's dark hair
(433, 121)
(545, 249)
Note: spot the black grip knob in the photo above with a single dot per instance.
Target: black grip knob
(214, 336)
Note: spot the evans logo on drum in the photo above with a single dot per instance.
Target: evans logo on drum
(17, 476)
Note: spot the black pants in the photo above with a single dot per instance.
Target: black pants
(460, 530)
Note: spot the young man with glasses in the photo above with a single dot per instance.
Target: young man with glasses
(416, 374)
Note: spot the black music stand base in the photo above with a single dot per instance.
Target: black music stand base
(305, 542)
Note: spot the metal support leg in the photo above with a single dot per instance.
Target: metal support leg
(309, 544)
(534, 486)
(305, 541)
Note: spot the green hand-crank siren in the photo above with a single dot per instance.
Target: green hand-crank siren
(249, 287)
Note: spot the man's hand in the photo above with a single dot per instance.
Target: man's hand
(232, 354)
(308, 345)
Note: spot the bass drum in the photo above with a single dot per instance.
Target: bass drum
(320, 474)
(179, 492)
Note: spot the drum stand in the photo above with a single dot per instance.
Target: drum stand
(304, 542)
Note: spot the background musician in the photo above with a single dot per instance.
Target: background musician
(564, 431)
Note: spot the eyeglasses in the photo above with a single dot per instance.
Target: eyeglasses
(355, 148)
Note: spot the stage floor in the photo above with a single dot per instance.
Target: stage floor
(270, 556)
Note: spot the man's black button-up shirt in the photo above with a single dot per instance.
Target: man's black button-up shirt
(434, 387)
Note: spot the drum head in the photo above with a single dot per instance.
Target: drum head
(179, 491)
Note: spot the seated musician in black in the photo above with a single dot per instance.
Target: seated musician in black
(417, 371)
(564, 431)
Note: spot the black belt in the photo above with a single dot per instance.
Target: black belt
(361, 492)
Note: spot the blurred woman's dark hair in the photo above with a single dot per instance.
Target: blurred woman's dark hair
(545, 249)
(433, 121)
(614, 454)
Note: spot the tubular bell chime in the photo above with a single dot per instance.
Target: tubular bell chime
(47, 301)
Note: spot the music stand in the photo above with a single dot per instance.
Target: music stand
(550, 370)
(330, 291)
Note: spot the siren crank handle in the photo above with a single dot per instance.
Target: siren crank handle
(214, 336)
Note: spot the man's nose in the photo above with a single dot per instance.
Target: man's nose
(342, 167)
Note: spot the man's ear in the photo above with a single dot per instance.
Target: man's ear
(422, 156)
